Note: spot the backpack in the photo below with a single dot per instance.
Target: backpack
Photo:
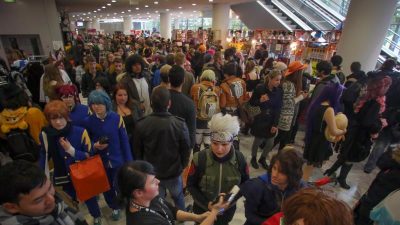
(236, 89)
(241, 163)
(353, 92)
(21, 145)
(208, 104)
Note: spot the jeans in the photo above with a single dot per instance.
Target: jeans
(269, 142)
(175, 187)
(380, 146)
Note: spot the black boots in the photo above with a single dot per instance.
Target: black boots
(329, 172)
(263, 163)
(344, 171)
(254, 163)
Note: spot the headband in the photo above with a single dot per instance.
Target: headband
(222, 136)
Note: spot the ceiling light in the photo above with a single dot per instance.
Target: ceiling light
(115, 13)
(147, 13)
(109, 4)
(129, 10)
(114, 1)
(191, 14)
(108, 14)
(94, 11)
(122, 12)
(113, 17)
(73, 16)
(146, 6)
(210, 0)
(155, 3)
(167, 10)
(156, 11)
(179, 16)
(138, 14)
(101, 15)
(88, 13)
(81, 18)
(180, 7)
(98, 9)
(87, 17)
(121, 16)
(137, 8)
(194, 4)
(194, 11)
(181, 13)
(103, 7)
(84, 14)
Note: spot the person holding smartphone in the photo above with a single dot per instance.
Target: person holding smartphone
(111, 142)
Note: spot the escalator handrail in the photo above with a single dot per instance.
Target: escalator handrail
(294, 17)
(290, 14)
(331, 10)
(322, 12)
(337, 15)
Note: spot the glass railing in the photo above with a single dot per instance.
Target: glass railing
(341, 6)
(391, 45)
(309, 13)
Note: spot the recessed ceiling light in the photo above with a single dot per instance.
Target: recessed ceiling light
(101, 15)
(180, 7)
(94, 16)
(122, 12)
(146, 6)
(108, 4)
(137, 8)
(113, 17)
(84, 14)
(156, 11)
(121, 16)
(115, 13)
(103, 7)
(194, 11)
(210, 0)
(156, 3)
(73, 16)
(129, 10)
(88, 13)
(108, 14)
(194, 4)
(114, 1)
(98, 9)
(147, 13)
(87, 17)
(94, 11)
(81, 18)
(138, 14)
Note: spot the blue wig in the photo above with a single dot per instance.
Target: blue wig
(100, 97)
(331, 93)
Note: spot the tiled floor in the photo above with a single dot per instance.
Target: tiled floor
(358, 180)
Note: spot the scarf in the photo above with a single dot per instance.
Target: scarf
(53, 136)
(61, 215)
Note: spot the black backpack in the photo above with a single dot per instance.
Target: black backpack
(21, 145)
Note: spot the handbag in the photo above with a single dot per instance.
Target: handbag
(89, 178)
(253, 110)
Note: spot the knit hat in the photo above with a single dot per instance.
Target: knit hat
(295, 66)
(279, 66)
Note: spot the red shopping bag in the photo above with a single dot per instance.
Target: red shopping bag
(89, 178)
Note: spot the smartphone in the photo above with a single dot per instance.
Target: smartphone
(103, 140)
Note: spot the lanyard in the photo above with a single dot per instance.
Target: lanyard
(146, 209)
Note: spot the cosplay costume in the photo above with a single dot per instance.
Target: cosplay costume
(63, 158)
(118, 151)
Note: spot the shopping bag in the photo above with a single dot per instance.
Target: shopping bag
(89, 178)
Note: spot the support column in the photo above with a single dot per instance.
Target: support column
(165, 25)
(127, 25)
(96, 24)
(220, 22)
(364, 32)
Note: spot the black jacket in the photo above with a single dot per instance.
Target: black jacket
(132, 90)
(88, 83)
(163, 140)
(387, 181)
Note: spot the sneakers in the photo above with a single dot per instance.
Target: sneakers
(116, 214)
(97, 221)
(254, 163)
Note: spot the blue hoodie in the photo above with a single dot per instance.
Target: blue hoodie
(263, 199)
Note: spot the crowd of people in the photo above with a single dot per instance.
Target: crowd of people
(167, 118)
